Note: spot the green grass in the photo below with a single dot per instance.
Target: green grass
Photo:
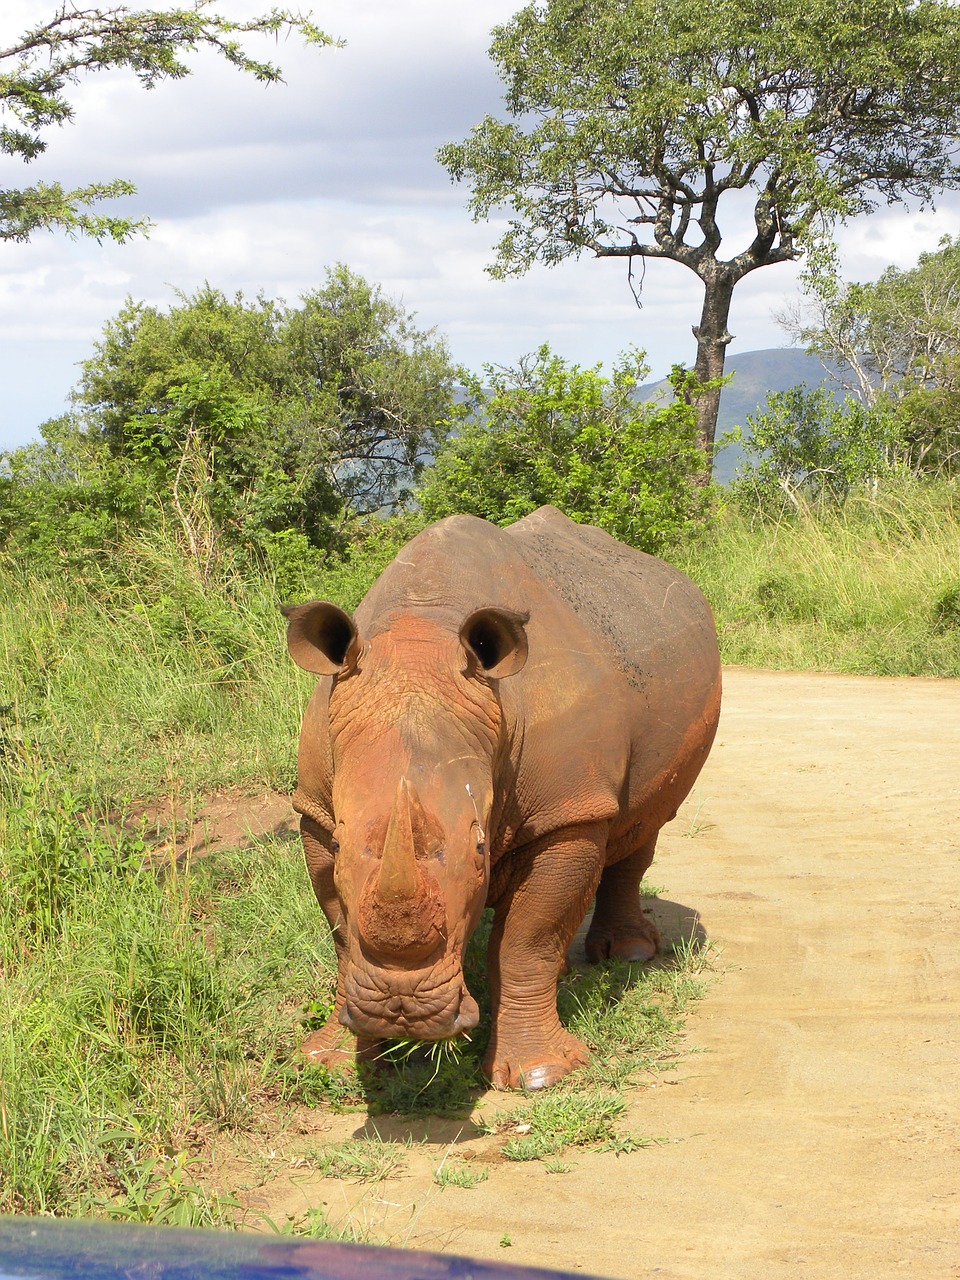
(458, 1174)
(559, 1119)
(358, 1160)
(870, 589)
(140, 679)
(141, 1014)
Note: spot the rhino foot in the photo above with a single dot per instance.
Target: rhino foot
(527, 1068)
(637, 940)
(338, 1049)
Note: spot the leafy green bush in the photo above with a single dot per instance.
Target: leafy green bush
(808, 447)
(240, 427)
(552, 432)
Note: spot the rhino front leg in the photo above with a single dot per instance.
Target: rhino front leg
(333, 1045)
(547, 889)
(619, 930)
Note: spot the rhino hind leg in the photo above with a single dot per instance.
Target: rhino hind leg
(544, 899)
(619, 929)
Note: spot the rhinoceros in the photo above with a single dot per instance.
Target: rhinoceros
(508, 721)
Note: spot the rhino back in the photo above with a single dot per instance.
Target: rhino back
(615, 709)
(659, 631)
(654, 619)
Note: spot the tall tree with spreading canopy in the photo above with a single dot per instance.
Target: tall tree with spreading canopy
(646, 128)
(36, 69)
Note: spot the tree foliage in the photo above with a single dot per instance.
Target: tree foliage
(551, 432)
(248, 423)
(806, 446)
(891, 335)
(37, 68)
(896, 341)
(641, 126)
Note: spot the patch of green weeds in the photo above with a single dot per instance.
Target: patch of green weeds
(224, 1091)
(314, 1085)
(946, 609)
(697, 823)
(137, 1005)
(359, 1160)
(628, 1142)
(161, 1190)
(554, 1121)
(458, 1174)
(314, 1225)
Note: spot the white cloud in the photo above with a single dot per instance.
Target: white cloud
(261, 188)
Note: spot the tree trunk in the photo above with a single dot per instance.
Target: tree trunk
(712, 338)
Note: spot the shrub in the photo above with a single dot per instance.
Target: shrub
(551, 432)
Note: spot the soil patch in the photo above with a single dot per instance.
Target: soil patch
(228, 820)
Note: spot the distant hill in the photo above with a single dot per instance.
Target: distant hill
(755, 375)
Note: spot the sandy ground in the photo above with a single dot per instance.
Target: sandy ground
(817, 1130)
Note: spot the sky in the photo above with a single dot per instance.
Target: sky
(260, 188)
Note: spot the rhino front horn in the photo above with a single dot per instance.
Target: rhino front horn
(400, 878)
(401, 912)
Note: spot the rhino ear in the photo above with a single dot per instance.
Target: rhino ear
(497, 640)
(321, 638)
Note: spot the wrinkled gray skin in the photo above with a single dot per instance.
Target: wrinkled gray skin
(509, 721)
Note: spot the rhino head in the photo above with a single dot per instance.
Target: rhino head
(416, 732)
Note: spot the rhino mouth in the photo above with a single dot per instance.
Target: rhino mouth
(408, 1003)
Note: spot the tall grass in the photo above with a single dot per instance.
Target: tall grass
(140, 1013)
(141, 678)
(867, 588)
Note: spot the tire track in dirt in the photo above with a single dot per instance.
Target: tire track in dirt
(816, 1130)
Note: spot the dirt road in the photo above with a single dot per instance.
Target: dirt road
(818, 1130)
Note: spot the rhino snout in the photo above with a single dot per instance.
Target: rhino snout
(433, 1016)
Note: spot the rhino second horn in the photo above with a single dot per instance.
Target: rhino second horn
(400, 878)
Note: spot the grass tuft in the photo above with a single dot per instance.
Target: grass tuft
(359, 1160)
(458, 1174)
(556, 1120)
(870, 588)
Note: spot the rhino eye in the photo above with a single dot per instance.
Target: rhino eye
(334, 845)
